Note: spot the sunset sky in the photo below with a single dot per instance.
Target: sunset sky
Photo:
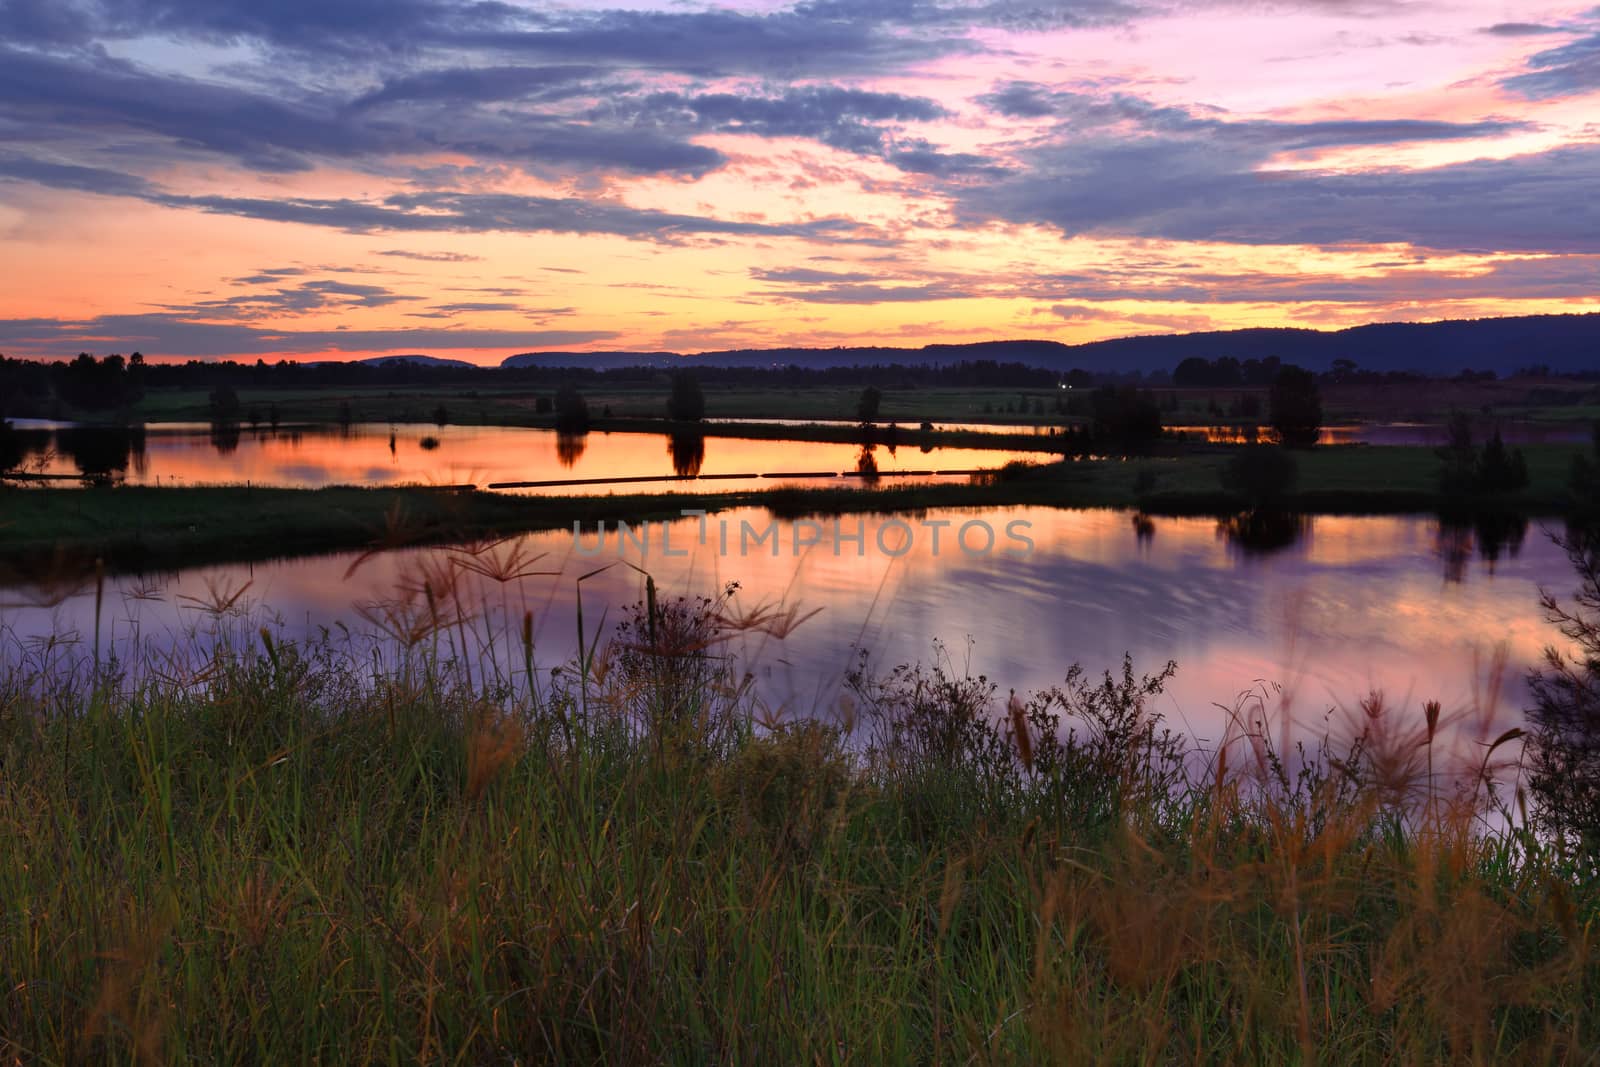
(320, 179)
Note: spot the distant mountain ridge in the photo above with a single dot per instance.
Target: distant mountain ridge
(419, 360)
(1564, 343)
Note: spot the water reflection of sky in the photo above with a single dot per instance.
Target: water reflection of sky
(1515, 432)
(480, 455)
(1357, 604)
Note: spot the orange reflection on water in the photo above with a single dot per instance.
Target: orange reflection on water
(454, 455)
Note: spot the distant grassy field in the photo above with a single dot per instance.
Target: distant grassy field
(516, 406)
(1531, 400)
(134, 527)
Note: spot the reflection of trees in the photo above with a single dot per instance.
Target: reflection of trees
(1261, 532)
(570, 446)
(867, 465)
(688, 451)
(1490, 535)
(1500, 534)
(1455, 549)
(102, 453)
(1144, 528)
(225, 437)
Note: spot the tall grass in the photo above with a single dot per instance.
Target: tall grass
(428, 848)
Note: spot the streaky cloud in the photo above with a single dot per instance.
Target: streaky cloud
(169, 334)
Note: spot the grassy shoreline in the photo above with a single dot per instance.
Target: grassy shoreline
(426, 854)
(134, 528)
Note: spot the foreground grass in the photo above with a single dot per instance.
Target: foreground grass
(263, 852)
(138, 527)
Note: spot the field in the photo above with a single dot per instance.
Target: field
(1534, 400)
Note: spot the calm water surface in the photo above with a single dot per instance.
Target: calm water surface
(1351, 605)
(190, 454)
(1390, 433)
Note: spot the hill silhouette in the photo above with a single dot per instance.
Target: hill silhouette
(1563, 343)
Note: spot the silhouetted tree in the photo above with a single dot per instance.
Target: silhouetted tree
(1125, 418)
(871, 400)
(1468, 471)
(572, 410)
(97, 384)
(686, 402)
(223, 405)
(1458, 457)
(1565, 718)
(441, 415)
(1584, 481)
(1261, 475)
(1499, 469)
(10, 447)
(1294, 407)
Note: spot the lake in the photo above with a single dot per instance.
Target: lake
(1432, 435)
(1329, 609)
(189, 454)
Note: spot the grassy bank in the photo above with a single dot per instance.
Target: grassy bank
(409, 854)
(136, 527)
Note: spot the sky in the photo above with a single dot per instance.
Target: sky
(322, 179)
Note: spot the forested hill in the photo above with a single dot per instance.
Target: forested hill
(1564, 343)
